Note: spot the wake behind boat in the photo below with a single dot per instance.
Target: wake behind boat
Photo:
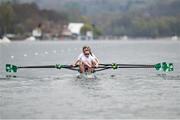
(86, 75)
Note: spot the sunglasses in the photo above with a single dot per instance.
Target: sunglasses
(86, 54)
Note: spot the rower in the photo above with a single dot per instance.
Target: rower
(85, 61)
(95, 59)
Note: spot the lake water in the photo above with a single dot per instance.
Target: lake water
(115, 94)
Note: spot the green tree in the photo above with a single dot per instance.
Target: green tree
(96, 31)
(7, 17)
(87, 27)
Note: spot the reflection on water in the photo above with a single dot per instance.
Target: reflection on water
(169, 77)
(89, 84)
(122, 93)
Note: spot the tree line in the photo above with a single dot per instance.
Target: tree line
(138, 18)
(22, 18)
(160, 20)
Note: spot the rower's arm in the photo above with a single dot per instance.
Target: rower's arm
(78, 60)
(88, 64)
(76, 63)
(97, 60)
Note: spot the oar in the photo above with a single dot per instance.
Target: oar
(166, 67)
(126, 64)
(14, 68)
(44, 66)
(110, 67)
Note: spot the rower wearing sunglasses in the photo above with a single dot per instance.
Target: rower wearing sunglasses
(85, 61)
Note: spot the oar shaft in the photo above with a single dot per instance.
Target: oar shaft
(126, 65)
(133, 65)
(47, 66)
(136, 66)
(108, 67)
(147, 66)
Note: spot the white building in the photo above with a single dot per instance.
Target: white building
(37, 33)
(75, 29)
(5, 40)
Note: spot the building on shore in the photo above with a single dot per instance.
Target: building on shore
(37, 32)
(66, 33)
(75, 29)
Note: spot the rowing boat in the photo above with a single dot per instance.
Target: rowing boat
(165, 67)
